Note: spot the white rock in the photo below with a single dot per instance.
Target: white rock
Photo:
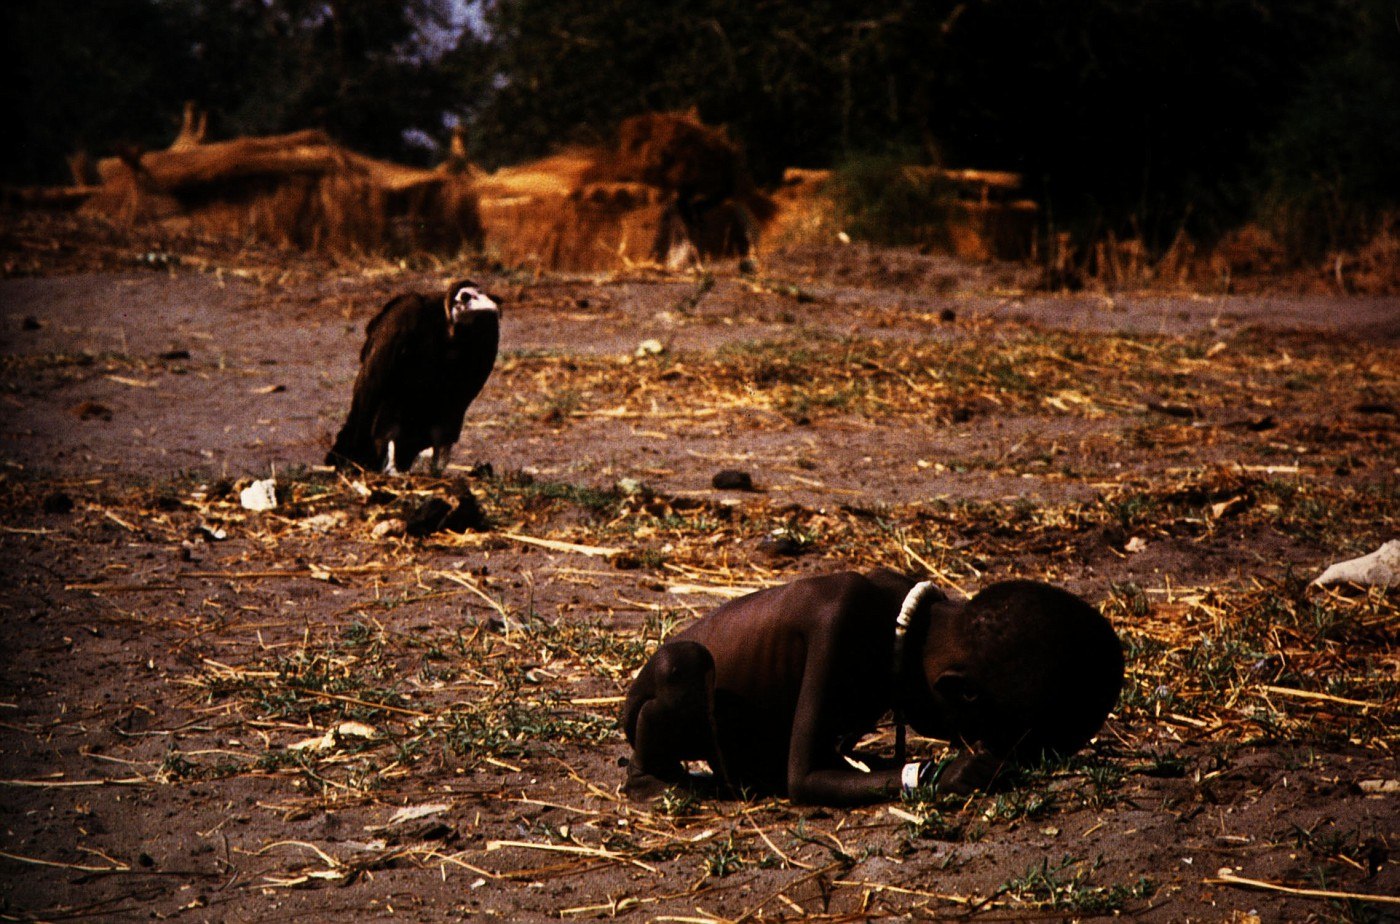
(323, 522)
(1379, 569)
(389, 527)
(260, 495)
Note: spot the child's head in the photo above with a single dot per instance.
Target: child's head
(1032, 669)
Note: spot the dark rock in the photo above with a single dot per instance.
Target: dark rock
(379, 497)
(781, 547)
(220, 489)
(1375, 407)
(91, 410)
(58, 502)
(467, 515)
(460, 513)
(732, 479)
(1172, 409)
(428, 518)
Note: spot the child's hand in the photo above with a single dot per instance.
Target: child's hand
(969, 771)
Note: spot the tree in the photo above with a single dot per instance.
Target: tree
(82, 75)
(1142, 115)
(90, 74)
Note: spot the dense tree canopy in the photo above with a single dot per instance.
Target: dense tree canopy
(1143, 113)
(93, 73)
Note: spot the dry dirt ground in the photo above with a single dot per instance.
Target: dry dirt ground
(213, 714)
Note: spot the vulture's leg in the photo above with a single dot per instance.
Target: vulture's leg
(389, 467)
(441, 456)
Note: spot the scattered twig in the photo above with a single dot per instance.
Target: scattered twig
(1226, 877)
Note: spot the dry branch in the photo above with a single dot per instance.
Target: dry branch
(1227, 877)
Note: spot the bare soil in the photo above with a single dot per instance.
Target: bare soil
(213, 714)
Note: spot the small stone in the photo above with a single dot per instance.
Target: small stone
(260, 495)
(390, 527)
(428, 518)
(91, 410)
(732, 479)
(780, 547)
(58, 502)
(467, 516)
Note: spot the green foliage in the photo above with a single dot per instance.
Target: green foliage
(1068, 886)
(1333, 163)
(80, 74)
(1137, 116)
(881, 200)
(93, 74)
(723, 858)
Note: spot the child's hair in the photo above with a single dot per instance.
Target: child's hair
(1050, 666)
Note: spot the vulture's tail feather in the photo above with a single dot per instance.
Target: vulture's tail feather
(353, 447)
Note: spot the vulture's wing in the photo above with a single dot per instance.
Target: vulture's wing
(392, 352)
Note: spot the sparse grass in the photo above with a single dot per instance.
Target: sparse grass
(1229, 654)
(691, 300)
(497, 713)
(525, 490)
(1253, 658)
(880, 200)
(723, 858)
(1067, 885)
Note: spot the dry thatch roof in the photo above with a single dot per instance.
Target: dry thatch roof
(300, 189)
(669, 181)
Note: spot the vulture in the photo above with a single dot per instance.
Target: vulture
(423, 362)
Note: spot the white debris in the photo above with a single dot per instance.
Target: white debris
(328, 740)
(1135, 545)
(260, 495)
(681, 256)
(323, 522)
(650, 347)
(389, 527)
(1379, 569)
(412, 813)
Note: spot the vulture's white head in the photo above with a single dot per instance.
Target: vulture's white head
(464, 299)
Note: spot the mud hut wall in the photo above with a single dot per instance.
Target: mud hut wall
(442, 215)
(294, 190)
(301, 152)
(570, 233)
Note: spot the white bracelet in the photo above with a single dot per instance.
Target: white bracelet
(909, 777)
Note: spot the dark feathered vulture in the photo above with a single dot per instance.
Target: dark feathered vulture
(423, 362)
